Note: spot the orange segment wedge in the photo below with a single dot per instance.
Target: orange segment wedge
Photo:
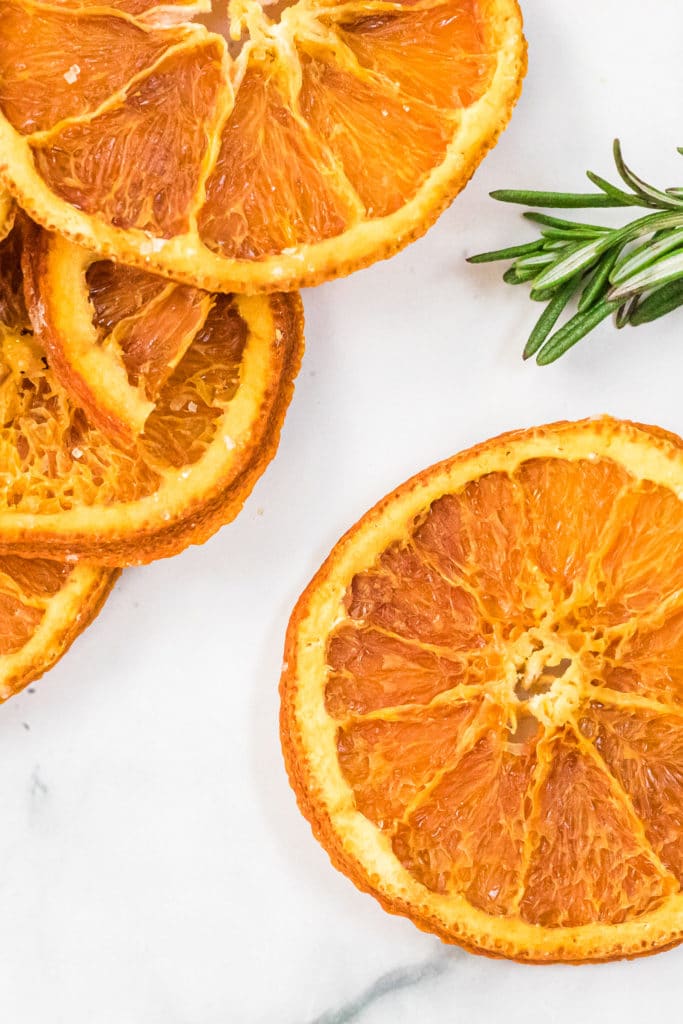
(482, 696)
(44, 605)
(323, 137)
(116, 335)
(69, 491)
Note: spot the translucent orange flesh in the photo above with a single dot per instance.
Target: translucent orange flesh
(138, 162)
(150, 322)
(156, 129)
(71, 65)
(26, 585)
(508, 684)
(54, 459)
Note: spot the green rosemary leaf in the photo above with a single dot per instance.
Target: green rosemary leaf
(510, 277)
(647, 254)
(642, 188)
(576, 262)
(554, 244)
(576, 228)
(542, 296)
(567, 235)
(623, 313)
(598, 283)
(507, 254)
(553, 200)
(536, 260)
(620, 197)
(573, 331)
(668, 269)
(658, 303)
(548, 319)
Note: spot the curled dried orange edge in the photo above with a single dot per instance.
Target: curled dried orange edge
(338, 134)
(482, 696)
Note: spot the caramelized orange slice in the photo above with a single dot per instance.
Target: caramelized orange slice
(67, 490)
(323, 137)
(44, 605)
(482, 696)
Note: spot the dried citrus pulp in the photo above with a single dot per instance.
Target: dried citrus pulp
(44, 605)
(482, 697)
(6, 214)
(212, 418)
(336, 135)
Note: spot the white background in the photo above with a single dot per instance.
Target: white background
(153, 866)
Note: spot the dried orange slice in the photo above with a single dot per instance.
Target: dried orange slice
(67, 490)
(44, 605)
(335, 136)
(482, 696)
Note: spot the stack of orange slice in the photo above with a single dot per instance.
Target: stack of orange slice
(146, 438)
(171, 165)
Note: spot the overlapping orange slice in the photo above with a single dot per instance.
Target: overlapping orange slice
(482, 697)
(336, 135)
(67, 490)
(44, 605)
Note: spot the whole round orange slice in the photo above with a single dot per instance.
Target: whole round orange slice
(482, 696)
(335, 136)
(44, 605)
(68, 491)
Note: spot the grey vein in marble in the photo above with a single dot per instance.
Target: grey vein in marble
(39, 788)
(388, 984)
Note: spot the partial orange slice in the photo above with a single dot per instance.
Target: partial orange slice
(326, 136)
(68, 491)
(482, 696)
(44, 605)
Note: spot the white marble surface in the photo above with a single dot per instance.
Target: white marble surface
(153, 866)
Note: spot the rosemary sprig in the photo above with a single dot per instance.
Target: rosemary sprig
(633, 273)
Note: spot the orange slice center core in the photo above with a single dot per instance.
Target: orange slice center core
(241, 20)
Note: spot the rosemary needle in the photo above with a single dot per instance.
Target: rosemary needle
(633, 272)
